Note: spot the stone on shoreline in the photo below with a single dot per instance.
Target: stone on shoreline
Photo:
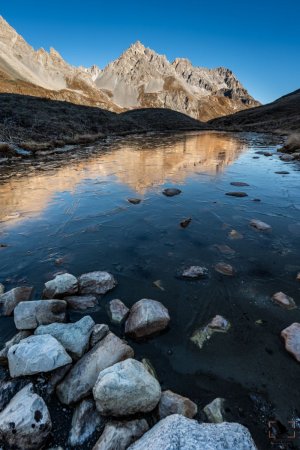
(291, 336)
(119, 435)
(81, 379)
(8, 389)
(117, 311)
(225, 269)
(178, 432)
(81, 302)
(36, 354)
(61, 286)
(126, 388)
(96, 283)
(284, 300)
(146, 317)
(74, 337)
(85, 421)
(215, 410)
(14, 340)
(10, 299)
(99, 331)
(259, 225)
(25, 423)
(29, 315)
(195, 272)
(172, 403)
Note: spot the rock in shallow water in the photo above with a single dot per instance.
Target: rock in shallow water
(170, 192)
(81, 379)
(284, 300)
(217, 325)
(146, 317)
(171, 403)
(225, 269)
(259, 225)
(29, 315)
(117, 311)
(195, 272)
(291, 335)
(36, 354)
(96, 283)
(119, 435)
(134, 201)
(14, 340)
(12, 298)
(85, 421)
(237, 194)
(60, 286)
(215, 410)
(25, 423)
(126, 388)
(178, 432)
(81, 302)
(74, 337)
(239, 183)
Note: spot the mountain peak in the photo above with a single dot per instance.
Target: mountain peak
(137, 46)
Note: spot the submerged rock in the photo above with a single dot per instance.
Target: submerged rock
(61, 286)
(119, 435)
(25, 423)
(215, 410)
(217, 324)
(178, 432)
(12, 298)
(75, 337)
(96, 283)
(134, 201)
(235, 235)
(170, 192)
(225, 249)
(81, 302)
(195, 272)
(237, 194)
(298, 276)
(99, 331)
(36, 354)
(171, 403)
(239, 183)
(284, 300)
(146, 317)
(29, 315)
(85, 421)
(14, 340)
(291, 335)
(225, 269)
(126, 388)
(117, 311)
(259, 225)
(81, 379)
(185, 223)
(282, 172)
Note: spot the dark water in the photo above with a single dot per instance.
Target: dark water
(70, 213)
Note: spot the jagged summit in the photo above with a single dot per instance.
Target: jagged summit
(139, 78)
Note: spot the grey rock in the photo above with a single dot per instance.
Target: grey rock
(239, 183)
(284, 300)
(237, 194)
(146, 317)
(170, 192)
(178, 432)
(56, 377)
(25, 423)
(81, 379)
(134, 201)
(217, 325)
(117, 311)
(81, 302)
(259, 225)
(126, 388)
(195, 272)
(75, 337)
(36, 354)
(8, 389)
(291, 336)
(10, 299)
(60, 286)
(287, 158)
(225, 269)
(85, 421)
(14, 340)
(29, 315)
(119, 435)
(96, 283)
(99, 331)
(171, 403)
(215, 410)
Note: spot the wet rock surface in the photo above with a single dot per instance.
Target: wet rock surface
(171, 192)
(237, 194)
(11, 299)
(172, 403)
(96, 283)
(284, 300)
(81, 302)
(29, 315)
(225, 269)
(195, 272)
(291, 336)
(60, 286)
(126, 388)
(14, 340)
(146, 317)
(85, 421)
(117, 311)
(215, 410)
(217, 325)
(119, 435)
(99, 331)
(259, 225)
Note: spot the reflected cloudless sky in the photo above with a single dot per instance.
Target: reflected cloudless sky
(258, 39)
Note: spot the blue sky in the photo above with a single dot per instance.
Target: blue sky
(258, 39)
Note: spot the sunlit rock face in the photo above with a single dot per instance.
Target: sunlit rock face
(141, 165)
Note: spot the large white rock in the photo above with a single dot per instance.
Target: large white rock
(81, 302)
(172, 403)
(60, 286)
(74, 337)
(178, 432)
(85, 421)
(81, 379)
(36, 354)
(25, 423)
(29, 315)
(14, 340)
(119, 435)
(146, 317)
(10, 299)
(126, 388)
(96, 282)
